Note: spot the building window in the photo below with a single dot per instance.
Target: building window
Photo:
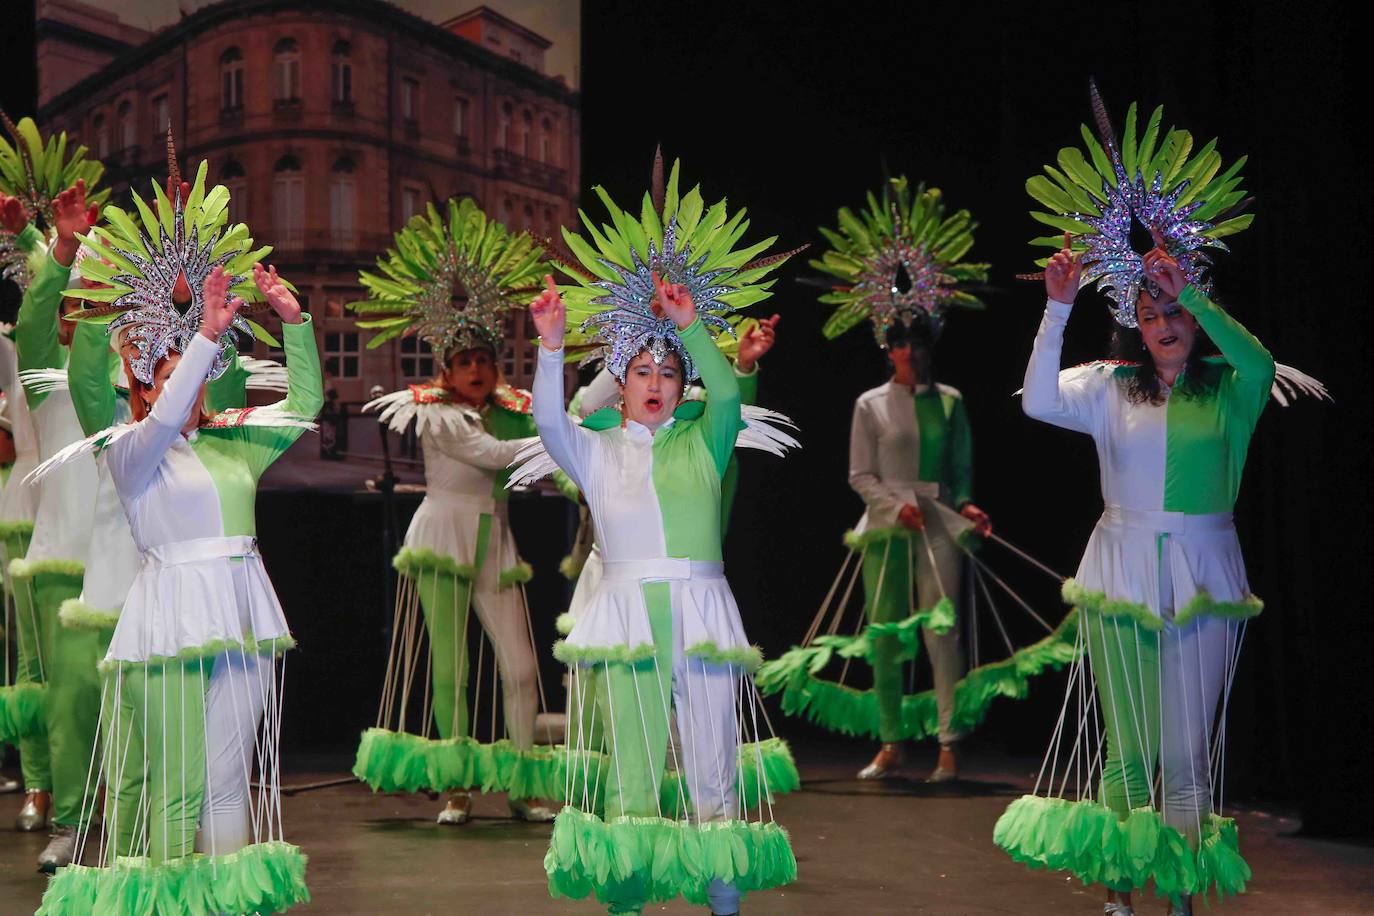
(286, 67)
(546, 142)
(507, 211)
(526, 129)
(503, 126)
(236, 183)
(460, 116)
(410, 99)
(342, 204)
(341, 353)
(410, 203)
(417, 359)
(231, 80)
(343, 72)
(162, 116)
(549, 225)
(288, 203)
(127, 128)
(528, 223)
(102, 136)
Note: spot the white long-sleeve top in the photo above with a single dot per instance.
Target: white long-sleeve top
(18, 500)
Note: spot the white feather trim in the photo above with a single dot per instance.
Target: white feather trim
(44, 381)
(1291, 384)
(399, 410)
(264, 374)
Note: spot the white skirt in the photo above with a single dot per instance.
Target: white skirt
(447, 524)
(198, 597)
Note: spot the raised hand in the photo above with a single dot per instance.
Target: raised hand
(911, 517)
(981, 523)
(675, 302)
(549, 315)
(757, 341)
(1163, 269)
(218, 310)
(12, 215)
(277, 294)
(71, 216)
(1062, 273)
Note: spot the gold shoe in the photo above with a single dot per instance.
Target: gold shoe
(531, 810)
(457, 811)
(36, 811)
(885, 763)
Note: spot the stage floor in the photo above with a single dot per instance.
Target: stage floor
(895, 847)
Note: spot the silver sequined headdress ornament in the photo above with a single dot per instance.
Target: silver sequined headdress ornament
(450, 280)
(143, 255)
(898, 262)
(1189, 202)
(612, 307)
(35, 171)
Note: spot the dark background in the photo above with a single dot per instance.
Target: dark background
(796, 109)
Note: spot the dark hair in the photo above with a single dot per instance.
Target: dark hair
(921, 332)
(1142, 385)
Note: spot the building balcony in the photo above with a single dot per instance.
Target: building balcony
(513, 167)
(287, 109)
(231, 115)
(325, 245)
(343, 108)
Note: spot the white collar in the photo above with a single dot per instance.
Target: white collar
(638, 430)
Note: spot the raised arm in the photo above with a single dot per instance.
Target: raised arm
(1064, 399)
(1252, 362)
(721, 421)
(568, 444)
(90, 377)
(35, 331)
(263, 445)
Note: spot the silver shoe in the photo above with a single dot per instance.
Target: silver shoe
(60, 851)
(34, 815)
(457, 812)
(1117, 909)
(523, 810)
(9, 786)
(885, 763)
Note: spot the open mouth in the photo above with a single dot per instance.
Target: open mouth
(1168, 341)
(653, 405)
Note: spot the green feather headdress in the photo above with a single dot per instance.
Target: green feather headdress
(898, 261)
(137, 258)
(612, 312)
(450, 279)
(1146, 181)
(35, 171)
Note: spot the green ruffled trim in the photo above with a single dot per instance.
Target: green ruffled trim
(779, 777)
(22, 568)
(22, 527)
(747, 657)
(860, 541)
(1201, 603)
(592, 655)
(664, 858)
(570, 567)
(274, 646)
(389, 761)
(564, 623)
(23, 712)
(76, 614)
(261, 878)
(1088, 840)
(412, 562)
(855, 712)
(519, 573)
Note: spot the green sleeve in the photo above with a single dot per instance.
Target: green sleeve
(230, 390)
(262, 445)
(29, 240)
(721, 420)
(35, 332)
(960, 455)
(748, 386)
(1251, 363)
(90, 377)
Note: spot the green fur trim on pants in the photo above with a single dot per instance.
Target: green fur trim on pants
(21, 527)
(274, 646)
(855, 712)
(564, 623)
(658, 859)
(1086, 839)
(413, 562)
(518, 574)
(21, 568)
(389, 761)
(261, 878)
(23, 712)
(1199, 605)
(766, 770)
(76, 614)
(570, 567)
(748, 658)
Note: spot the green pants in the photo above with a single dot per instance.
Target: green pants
(33, 751)
(446, 600)
(70, 658)
(1125, 663)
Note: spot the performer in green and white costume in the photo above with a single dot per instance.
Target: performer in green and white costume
(662, 631)
(1162, 586)
(451, 280)
(191, 690)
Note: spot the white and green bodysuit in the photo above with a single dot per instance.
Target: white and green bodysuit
(191, 692)
(1162, 593)
(459, 555)
(661, 633)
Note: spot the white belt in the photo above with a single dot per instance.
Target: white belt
(926, 489)
(1166, 522)
(200, 549)
(660, 569)
(486, 504)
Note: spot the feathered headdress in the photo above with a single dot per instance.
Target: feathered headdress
(35, 171)
(612, 308)
(898, 261)
(141, 255)
(1143, 182)
(450, 280)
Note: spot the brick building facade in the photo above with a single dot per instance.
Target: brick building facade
(331, 125)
